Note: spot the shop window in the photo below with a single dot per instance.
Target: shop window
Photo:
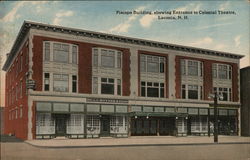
(74, 83)
(46, 81)
(152, 89)
(61, 82)
(107, 86)
(154, 64)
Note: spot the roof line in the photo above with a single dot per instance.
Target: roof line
(137, 41)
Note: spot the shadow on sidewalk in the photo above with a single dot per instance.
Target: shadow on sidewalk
(7, 138)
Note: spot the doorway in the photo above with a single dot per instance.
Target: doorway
(105, 125)
(61, 124)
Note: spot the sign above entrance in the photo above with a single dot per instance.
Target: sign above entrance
(107, 100)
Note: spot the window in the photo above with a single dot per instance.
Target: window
(222, 71)
(21, 89)
(21, 112)
(74, 83)
(61, 82)
(225, 92)
(191, 67)
(107, 86)
(27, 58)
(95, 85)
(61, 52)
(21, 63)
(16, 113)
(47, 51)
(119, 59)
(46, 81)
(107, 58)
(152, 64)
(152, 89)
(74, 54)
(183, 91)
(95, 58)
(118, 87)
(191, 92)
(17, 92)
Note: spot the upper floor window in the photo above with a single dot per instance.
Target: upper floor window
(191, 67)
(61, 82)
(222, 71)
(106, 58)
(103, 85)
(60, 52)
(225, 92)
(191, 92)
(154, 64)
(152, 89)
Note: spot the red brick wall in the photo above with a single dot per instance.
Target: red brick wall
(85, 64)
(17, 126)
(207, 75)
(166, 69)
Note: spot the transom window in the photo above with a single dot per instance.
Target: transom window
(60, 52)
(154, 64)
(191, 67)
(225, 92)
(152, 89)
(222, 71)
(106, 58)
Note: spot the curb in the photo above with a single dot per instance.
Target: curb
(136, 145)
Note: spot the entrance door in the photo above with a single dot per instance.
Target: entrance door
(61, 124)
(167, 126)
(105, 126)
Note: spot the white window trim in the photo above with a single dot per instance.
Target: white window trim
(99, 85)
(199, 91)
(229, 98)
(228, 71)
(52, 52)
(200, 69)
(159, 62)
(99, 65)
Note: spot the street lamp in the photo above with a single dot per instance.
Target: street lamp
(215, 96)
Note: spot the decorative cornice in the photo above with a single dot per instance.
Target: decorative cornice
(27, 25)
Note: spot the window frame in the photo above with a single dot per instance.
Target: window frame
(145, 85)
(159, 61)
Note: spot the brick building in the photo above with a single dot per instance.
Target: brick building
(82, 84)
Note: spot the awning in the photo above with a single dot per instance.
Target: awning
(158, 114)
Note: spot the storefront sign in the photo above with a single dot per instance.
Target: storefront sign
(107, 100)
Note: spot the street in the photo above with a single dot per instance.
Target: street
(24, 151)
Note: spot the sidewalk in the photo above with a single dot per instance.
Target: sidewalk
(62, 142)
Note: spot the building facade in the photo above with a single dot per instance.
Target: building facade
(245, 100)
(82, 84)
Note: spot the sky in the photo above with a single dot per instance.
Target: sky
(222, 32)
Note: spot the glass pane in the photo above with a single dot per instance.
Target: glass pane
(152, 92)
(107, 88)
(153, 67)
(108, 61)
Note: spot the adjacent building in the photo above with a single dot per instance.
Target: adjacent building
(245, 100)
(81, 84)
